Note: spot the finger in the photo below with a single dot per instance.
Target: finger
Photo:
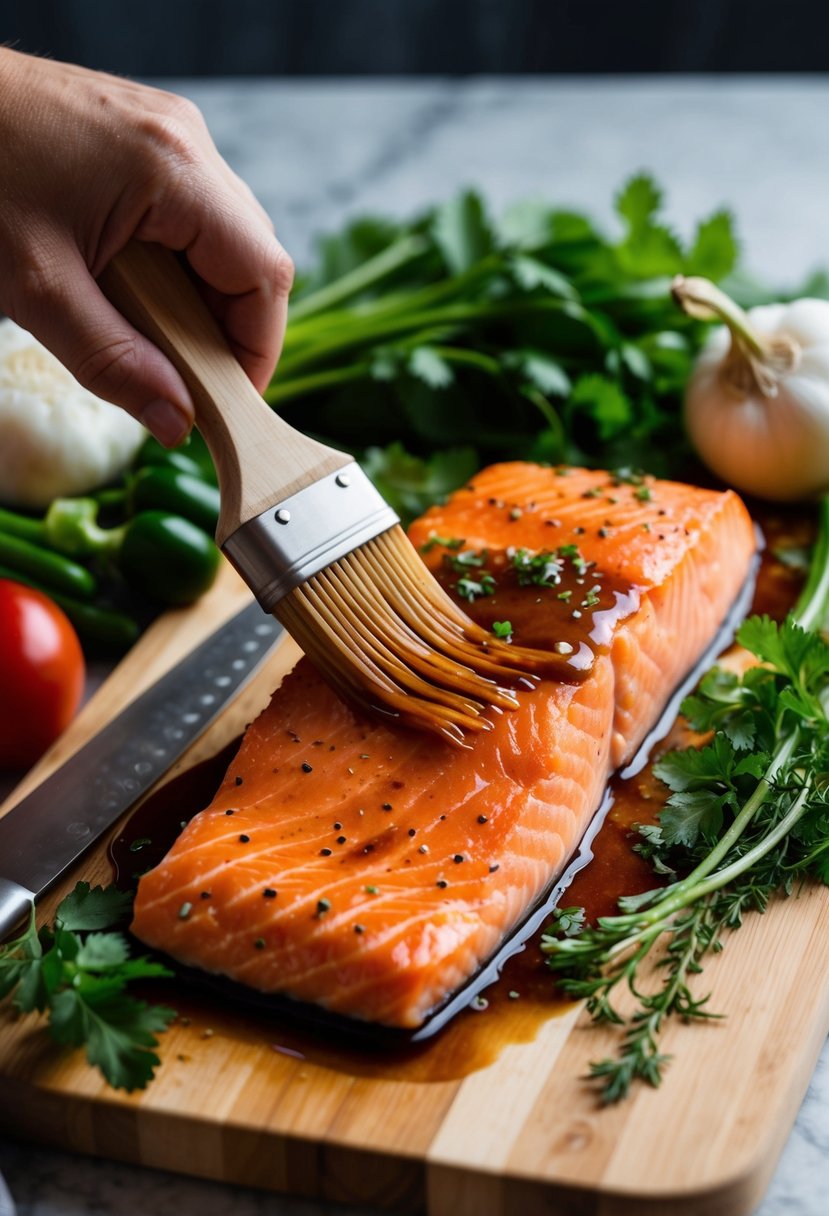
(61, 304)
(246, 272)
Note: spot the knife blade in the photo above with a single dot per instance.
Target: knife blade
(46, 832)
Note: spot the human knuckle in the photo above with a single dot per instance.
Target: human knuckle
(108, 366)
(171, 142)
(35, 280)
(184, 111)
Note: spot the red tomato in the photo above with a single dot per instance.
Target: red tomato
(41, 674)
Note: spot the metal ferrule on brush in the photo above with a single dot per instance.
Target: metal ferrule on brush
(295, 539)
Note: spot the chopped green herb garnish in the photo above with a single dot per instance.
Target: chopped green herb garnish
(472, 589)
(538, 569)
(445, 542)
(643, 494)
(462, 562)
(502, 629)
(139, 844)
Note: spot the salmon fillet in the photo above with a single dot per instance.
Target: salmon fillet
(371, 869)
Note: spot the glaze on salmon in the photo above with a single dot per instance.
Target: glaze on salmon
(371, 869)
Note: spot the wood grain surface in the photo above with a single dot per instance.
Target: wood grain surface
(520, 1132)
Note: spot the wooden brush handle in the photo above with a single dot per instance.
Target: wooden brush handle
(260, 459)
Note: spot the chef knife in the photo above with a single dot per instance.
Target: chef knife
(51, 827)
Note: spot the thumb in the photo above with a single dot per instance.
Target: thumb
(64, 308)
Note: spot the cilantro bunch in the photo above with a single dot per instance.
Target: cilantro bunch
(747, 819)
(78, 976)
(434, 347)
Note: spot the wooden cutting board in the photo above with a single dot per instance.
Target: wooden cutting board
(520, 1132)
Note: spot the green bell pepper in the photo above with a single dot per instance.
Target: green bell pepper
(167, 558)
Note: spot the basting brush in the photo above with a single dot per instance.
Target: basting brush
(315, 541)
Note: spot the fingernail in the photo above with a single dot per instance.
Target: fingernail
(166, 421)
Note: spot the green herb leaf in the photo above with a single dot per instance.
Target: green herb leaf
(462, 232)
(604, 402)
(78, 975)
(531, 274)
(691, 815)
(428, 366)
(714, 251)
(87, 908)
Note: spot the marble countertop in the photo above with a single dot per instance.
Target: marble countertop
(316, 153)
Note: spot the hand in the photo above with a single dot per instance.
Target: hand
(90, 160)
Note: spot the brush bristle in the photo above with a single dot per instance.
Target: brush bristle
(385, 634)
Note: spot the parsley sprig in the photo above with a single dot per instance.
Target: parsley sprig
(747, 819)
(78, 975)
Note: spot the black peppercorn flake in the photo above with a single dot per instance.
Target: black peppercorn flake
(259, 944)
(442, 883)
(206, 895)
(494, 867)
(239, 780)
(386, 806)
(269, 893)
(243, 839)
(323, 906)
(341, 839)
(412, 831)
(230, 812)
(482, 819)
(337, 827)
(359, 928)
(306, 767)
(325, 852)
(458, 858)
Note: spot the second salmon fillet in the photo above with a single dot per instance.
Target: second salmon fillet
(371, 869)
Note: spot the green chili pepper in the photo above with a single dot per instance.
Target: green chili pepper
(51, 569)
(167, 558)
(102, 630)
(23, 526)
(171, 489)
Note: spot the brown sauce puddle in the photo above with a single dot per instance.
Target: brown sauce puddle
(524, 996)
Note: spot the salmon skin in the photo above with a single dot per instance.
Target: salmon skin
(372, 870)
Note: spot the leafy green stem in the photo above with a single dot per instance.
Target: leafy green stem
(372, 272)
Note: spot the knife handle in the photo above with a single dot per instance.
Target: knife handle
(259, 458)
